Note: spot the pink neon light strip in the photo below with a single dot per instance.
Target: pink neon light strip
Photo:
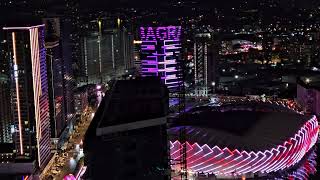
(36, 78)
(224, 161)
(17, 89)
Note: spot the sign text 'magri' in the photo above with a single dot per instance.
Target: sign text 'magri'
(160, 33)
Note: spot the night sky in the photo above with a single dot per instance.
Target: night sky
(109, 4)
(213, 3)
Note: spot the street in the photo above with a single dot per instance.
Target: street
(66, 161)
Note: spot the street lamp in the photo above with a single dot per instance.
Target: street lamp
(308, 80)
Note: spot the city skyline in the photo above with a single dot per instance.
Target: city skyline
(168, 90)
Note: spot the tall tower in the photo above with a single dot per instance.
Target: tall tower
(29, 90)
(55, 78)
(205, 63)
(160, 54)
(5, 113)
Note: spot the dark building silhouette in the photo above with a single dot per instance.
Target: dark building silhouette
(55, 79)
(127, 138)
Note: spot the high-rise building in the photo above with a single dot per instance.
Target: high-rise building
(136, 55)
(161, 53)
(204, 59)
(29, 91)
(71, 27)
(69, 83)
(127, 138)
(107, 55)
(55, 78)
(5, 112)
(6, 142)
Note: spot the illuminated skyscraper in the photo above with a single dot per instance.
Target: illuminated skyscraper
(29, 90)
(205, 58)
(160, 54)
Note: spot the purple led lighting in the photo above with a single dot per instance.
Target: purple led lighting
(160, 33)
(151, 62)
(147, 47)
(161, 46)
(227, 162)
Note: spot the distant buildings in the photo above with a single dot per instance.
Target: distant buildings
(29, 90)
(308, 94)
(127, 138)
(161, 54)
(107, 55)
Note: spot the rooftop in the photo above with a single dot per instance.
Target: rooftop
(134, 100)
(242, 130)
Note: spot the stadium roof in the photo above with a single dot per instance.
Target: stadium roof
(242, 130)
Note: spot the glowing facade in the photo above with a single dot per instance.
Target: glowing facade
(29, 89)
(232, 162)
(160, 54)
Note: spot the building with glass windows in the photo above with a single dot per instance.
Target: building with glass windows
(29, 101)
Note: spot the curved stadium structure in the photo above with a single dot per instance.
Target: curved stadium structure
(243, 139)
